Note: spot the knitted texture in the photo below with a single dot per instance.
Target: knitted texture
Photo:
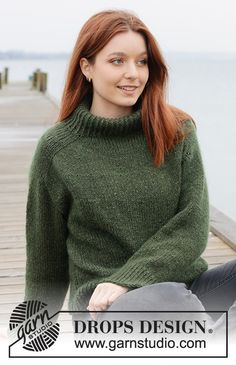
(99, 210)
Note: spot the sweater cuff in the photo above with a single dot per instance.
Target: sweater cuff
(132, 277)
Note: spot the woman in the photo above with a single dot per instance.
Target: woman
(118, 201)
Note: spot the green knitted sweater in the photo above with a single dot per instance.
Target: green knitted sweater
(99, 210)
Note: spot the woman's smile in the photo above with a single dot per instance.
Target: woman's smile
(128, 90)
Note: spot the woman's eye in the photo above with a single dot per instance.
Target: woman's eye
(117, 59)
(144, 61)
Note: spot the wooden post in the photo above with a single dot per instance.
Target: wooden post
(35, 78)
(5, 77)
(43, 82)
(0, 80)
(38, 80)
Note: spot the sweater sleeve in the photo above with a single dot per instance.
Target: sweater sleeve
(173, 252)
(46, 233)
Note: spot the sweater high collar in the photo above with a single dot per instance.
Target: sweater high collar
(83, 122)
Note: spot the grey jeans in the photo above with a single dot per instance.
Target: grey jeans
(214, 290)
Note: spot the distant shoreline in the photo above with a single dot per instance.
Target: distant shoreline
(22, 55)
(18, 55)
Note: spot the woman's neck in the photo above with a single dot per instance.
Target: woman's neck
(110, 111)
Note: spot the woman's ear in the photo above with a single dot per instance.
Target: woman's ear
(85, 67)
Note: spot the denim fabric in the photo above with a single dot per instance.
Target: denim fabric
(214, 290)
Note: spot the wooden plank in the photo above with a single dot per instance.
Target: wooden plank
(11, 298)
(9, 228)
(12, 259)
(11, 265)
(7, 308)
(217, 260)
(10, 237)
(223, 226)
(12, 245)
(18, 218)
(12, 272)
(12, 178)
(12, 210)
(8, 242)
(8, 205)
(4, 318)
(18, 200)
(221, 252)
(216, 245)
(19, 224)
(12, 280)
(7, 289)
(211, 266)
(10, 252)
(215, 240)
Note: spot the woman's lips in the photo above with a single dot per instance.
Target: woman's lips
(127, 90)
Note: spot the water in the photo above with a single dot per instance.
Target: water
(205, 87)
(21, 70)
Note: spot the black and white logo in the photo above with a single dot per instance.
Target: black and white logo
(30, 322)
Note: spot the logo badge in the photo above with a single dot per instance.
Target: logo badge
(31, 324)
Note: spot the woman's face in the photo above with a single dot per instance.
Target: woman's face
(121, 63)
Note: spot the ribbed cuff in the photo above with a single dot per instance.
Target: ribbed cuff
(132, 277)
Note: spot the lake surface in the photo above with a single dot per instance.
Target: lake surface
(202, 85)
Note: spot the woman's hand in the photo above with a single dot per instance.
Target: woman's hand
(103, 296)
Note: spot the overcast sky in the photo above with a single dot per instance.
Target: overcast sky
(178, 25)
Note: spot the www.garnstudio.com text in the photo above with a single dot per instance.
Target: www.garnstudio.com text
(146, 343)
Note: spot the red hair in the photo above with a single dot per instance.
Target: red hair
(160, 121)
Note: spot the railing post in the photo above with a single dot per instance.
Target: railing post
(39, 80)
(43, 82)
(34, 78)
(5, 77)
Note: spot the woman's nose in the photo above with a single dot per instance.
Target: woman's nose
(131, 70)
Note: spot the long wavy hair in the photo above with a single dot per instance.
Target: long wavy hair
(160, 121)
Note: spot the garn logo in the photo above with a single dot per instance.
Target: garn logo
(31, 323)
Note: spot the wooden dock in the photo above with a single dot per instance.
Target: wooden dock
(24, 115)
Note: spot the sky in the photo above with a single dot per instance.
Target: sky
(178, 25)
